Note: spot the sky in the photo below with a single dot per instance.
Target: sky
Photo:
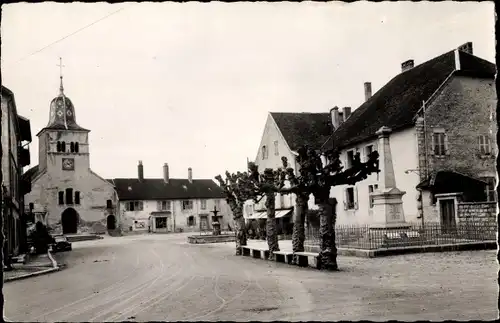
(191, 84)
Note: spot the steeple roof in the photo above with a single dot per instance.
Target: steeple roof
(62, 113)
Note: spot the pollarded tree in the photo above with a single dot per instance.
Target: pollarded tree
(268, 184)
(298, 186)
(319, 179)
(238, 189)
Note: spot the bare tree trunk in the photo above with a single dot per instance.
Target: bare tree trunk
(241, 235)
(271, 232)
(298, 234)
(2, 243)
(239, 227)
(328, 250)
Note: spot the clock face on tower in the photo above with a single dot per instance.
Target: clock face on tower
(68, 164)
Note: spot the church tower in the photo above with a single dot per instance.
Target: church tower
(63, 144)
(73, 198)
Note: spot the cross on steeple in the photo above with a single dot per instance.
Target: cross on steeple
(61, 88)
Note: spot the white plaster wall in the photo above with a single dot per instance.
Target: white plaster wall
(431, 212)
(179, 217)
(271, 134)
(404, 154)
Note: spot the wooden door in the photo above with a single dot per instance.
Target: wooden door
(447, 215)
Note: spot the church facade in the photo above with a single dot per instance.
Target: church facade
(66, 194)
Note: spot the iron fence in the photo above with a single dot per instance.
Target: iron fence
(427, 234)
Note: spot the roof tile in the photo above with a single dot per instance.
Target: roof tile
(300, 129)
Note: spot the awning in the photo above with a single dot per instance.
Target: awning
(283, 213)
(258, 215)
(263, 214)
(160, 213)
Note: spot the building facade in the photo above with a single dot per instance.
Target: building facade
(442, 113)
(284, 133)
(16, 135)
(68, 195)
(170, 204)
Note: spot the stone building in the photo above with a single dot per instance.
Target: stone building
(170, 204)
(16, 135)
(72, 197)
(442, 114)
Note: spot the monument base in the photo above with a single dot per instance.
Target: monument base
(390, 226)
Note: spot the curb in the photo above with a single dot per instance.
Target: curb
(384, 252)
(38, 273)
(55, 267)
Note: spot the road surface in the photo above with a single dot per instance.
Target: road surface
(163, 278)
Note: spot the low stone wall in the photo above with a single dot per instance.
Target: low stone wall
(210, 239)
(477, 212)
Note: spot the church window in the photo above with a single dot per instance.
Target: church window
(58, 146)
(61, 198)
(69, 196)
(72, 147)
(77, 198)
(76, 147)
(109, 204)
(63, 147)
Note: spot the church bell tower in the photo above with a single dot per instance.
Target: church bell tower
(63, 144)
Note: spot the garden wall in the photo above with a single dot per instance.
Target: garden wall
(477, 212)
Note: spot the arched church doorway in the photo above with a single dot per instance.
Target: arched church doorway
(111, 222)
(69, 221)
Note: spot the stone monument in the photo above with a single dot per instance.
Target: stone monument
(387, 199)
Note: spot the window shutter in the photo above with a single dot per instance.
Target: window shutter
(446, 149)
(345, 199)
(194, 220)
(356, 198)
(187, 220)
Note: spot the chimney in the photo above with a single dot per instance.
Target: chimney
(347, 112)
(334, 113)
(368, 90)
(408, 65)
(165, 173)
(140, 171)
(467, 47)
(190, 175)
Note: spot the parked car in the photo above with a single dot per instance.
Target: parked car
(61, 244)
